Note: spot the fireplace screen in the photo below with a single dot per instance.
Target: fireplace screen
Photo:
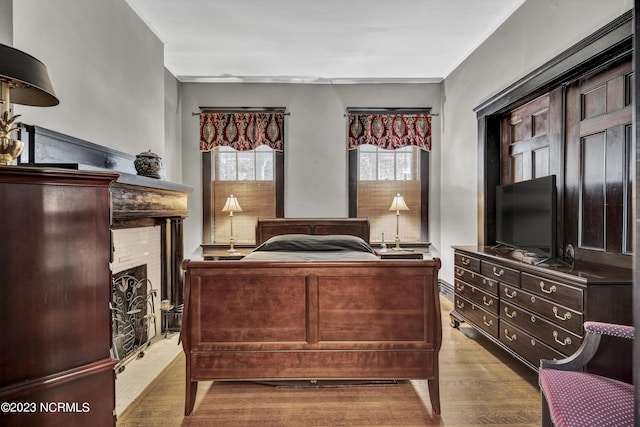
(132, 314)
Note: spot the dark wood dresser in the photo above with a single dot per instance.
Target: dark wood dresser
(55, 287)
(537, 312)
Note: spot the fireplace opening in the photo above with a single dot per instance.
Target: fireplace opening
(133, 314)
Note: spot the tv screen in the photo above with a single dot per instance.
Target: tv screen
(526, 215)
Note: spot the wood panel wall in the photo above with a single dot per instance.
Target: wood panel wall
(580, 132)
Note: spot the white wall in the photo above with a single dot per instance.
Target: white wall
(316, 159)
(538, 31)
(106, 67)
(6, 22)
(172, 157)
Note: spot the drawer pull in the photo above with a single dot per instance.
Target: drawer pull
(551, 290)
(459, 304)
(484, 320)
(512, 295)
(487, 303)
(566, 316)
(510, 338)
(465, 261)
(510, 316)
(487, 282)
(459, 272)
(533, 319)
(533, 343)
(567, 340)
(498, 273)
(460, 288)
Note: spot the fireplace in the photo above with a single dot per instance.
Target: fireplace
(133, 321)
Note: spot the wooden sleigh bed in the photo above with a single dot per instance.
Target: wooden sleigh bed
(356, 318)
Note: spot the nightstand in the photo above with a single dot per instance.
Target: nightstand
(224, 255)
(401, 254)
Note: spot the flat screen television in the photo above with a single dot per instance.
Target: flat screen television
(526, 216)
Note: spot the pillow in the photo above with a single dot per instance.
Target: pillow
(308, 242)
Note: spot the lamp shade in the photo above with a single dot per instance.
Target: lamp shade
(398, 204)
(232, 205)
(28, 78)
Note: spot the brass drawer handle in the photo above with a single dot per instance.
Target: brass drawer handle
(487, 282)
(510, 316)
(487, 303)
(510, 338)
(551, 290)
(498, 273)
(567, 340)
(513, 294)
(533, 343)
(465, 261)
(566, 316)
(460, 288)
(484, 320)
(459, 272)
(459, 304)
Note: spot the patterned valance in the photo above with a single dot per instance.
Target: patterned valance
(241, 131)
(390, 131)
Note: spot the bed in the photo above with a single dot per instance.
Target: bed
(311, 303)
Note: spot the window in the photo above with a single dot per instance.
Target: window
(382, 165)
(254, 165)
(249, 176)
(377, 164)
(242, 155)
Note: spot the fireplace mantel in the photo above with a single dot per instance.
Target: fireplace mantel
(136, 200)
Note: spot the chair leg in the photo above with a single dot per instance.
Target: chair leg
(546, 413)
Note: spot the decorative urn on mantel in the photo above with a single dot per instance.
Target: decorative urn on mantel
(148, 164)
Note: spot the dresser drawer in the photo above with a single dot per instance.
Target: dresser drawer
(528, 347)
(477, 280)
(468, 262)
(479, 317)
(514, 295)
(564, 317)
(562, 340)
(555, 291)
(467, 275)
(477, 296)
(500, 273)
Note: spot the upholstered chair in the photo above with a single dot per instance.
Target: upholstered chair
(571, 397)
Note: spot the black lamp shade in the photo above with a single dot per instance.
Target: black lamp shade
(28, 77)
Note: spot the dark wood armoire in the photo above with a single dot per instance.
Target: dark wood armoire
(55, 286)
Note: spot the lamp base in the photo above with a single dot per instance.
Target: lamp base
(10, 150)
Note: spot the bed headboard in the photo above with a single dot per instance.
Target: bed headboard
(267, 228)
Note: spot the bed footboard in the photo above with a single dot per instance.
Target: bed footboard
(360, 320)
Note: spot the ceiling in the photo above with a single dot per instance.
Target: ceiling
(328, 41)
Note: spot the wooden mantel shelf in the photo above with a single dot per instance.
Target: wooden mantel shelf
(135, 196)
(135, 200)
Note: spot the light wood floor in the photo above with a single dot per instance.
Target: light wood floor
(479, 385)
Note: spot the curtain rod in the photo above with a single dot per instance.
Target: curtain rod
(426, 110)
(204, 110)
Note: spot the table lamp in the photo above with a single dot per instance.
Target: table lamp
(23, 80)
(231, 206)
(398, 205)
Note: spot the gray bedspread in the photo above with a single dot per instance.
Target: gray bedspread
(303, 247)
(309, 256)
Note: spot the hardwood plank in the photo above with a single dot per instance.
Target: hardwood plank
(479, 385)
